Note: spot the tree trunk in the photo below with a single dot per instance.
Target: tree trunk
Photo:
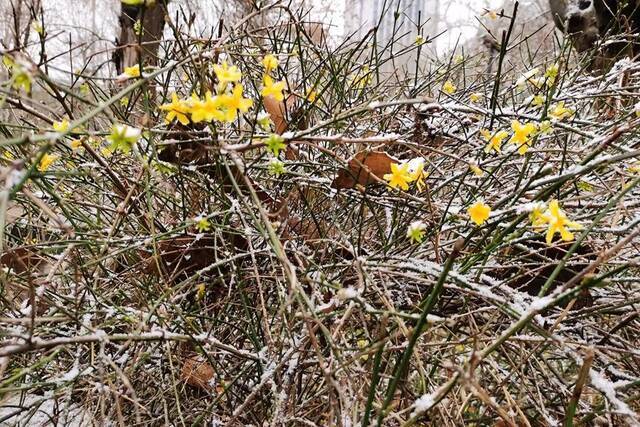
(133, 48)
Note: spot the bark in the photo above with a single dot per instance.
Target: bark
(132, 48)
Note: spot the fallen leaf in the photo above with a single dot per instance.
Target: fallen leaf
(278, 111)
(363, 167)
(183, 256)
(197, 372)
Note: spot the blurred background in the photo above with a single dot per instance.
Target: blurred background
(85, 31)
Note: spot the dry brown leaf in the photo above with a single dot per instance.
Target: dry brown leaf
(197, 372)
(362, 169)
(278, 111)
(21, 260)
(183, 256)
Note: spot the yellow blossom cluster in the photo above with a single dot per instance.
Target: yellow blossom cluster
(531, 77)
(223, 107)
(228, 101)
(521, 137)
(523, 133)
(270, 87)
(552, 217)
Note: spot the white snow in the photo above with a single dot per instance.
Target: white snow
(600, 382)
(422, 404)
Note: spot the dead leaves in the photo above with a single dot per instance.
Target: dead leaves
(184, 256)
(197, 372)
(363, 169)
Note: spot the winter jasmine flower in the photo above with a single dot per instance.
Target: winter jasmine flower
(227, 74)
(416, 231)
(132, 72)
(275, 143)
(276, 167)
(273, 89)
(475, 97)
(479, 212)
(176, 109)
(399, 176)
(123, 137)
(521, 135)
(269, 62)
(449, 88)
(494, 142)
(558, 223)
(46, 161)
(61, 126)
(559, 111)
(233, 103)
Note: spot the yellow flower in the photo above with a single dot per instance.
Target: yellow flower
(417, 173)
(416, 231)
(479, 212)
(558, 223)
(521, 135)
(123, 137)
(492, 14)
(449, 88)
(133, 71)
(176, 109)
(538, 101)
(536, 214)
(276, 167)
(311, 95)
(552, 73)
(269, 62)
(200, 291)
(61, 126)
(559, 112)
(275, 143)
(475, 169)
(273, 89)
(420, 40)
(206, 110)
(475, 97)
(634, 168)
(264, 121)
(196, 107)
(362, 78)
(139, 2)
(636, 109)
(494, 142)
(38, 28)
(234, 102)
(544, 127)
(75, 144)
(227, 74)
(399, 176)
(46, 161)
(19, 74)
(202, 224)
(137, 28)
